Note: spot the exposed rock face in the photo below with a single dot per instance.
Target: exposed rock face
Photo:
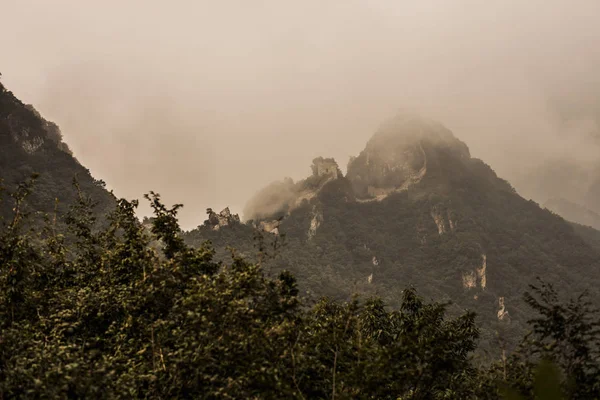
(481, 272)
(52, 130)
(502, 313)
(315, 222)
(438, 218)
(436, 233)
(269, 226)
(469, 280)
(399, 155)
(31, 146)
(444, 220)
(476, 277)
(224, 218)
(325, 167)
(451, 221)
(282, 197)
(29, 139)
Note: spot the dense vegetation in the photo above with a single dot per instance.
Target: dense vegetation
(28, 144)
(395, 243)
(95, 304)
(97, 312)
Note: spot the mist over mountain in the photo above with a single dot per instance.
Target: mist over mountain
(344, 199)
(192, 109)
(415, 208)
(29, 144)
(243, 306)
(574, 212)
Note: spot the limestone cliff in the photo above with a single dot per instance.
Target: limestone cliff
(224, 218)
(400, 154)
(405, 151)
(415, 209)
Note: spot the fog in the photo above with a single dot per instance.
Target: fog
(207, 101)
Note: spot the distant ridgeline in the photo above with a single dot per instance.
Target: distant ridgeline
(574, 212)
(414, 209)
(29, 144)
(566, 186)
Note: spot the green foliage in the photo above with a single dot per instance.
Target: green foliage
(95, 304)
(559, 358)
(519, 239)
(114, 309)
(546, 384)
(96, 312)
(29, 143)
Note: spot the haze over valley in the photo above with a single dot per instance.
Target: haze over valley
(204, 102)
(300, 200)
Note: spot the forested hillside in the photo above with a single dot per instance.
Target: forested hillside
(30, 144)
(416, 209)
(412, 277)
(109, 316)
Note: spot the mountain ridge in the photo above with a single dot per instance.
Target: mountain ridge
(415, 209)
(30, 144)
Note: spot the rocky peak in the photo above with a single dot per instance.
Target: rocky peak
(281, 197)
(400, 154)
(327, 167)
(224, 218)
(407, 129)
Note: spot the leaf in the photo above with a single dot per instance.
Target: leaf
(547, 381)
(509, 393)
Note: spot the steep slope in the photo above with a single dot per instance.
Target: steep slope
(590, 235)
(30, 144)
(567, 187)
(416, 209)
(574, 212)
(592, 196)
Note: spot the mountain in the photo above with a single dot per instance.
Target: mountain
(592, 196)
(30, 144)
(574, 212)
(414, 209)
(566, 186)
(590, 235)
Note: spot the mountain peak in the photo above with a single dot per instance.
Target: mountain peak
(325, 167)
(401, 153)
(408, 128)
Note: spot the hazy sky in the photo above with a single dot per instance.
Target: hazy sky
(207, 101)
